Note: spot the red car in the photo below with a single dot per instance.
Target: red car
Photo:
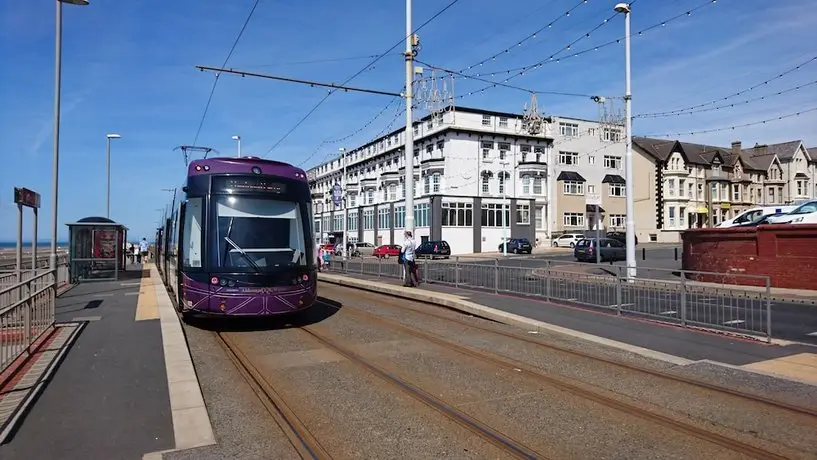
(387, 250)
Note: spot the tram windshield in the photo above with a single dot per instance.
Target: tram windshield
(257, 234)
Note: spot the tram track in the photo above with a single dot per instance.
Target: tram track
(560, 382)
(302, 440)
(744, 396)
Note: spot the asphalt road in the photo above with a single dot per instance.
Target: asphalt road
(735, 311)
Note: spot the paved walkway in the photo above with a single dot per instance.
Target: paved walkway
(125, 387)
(674, 344)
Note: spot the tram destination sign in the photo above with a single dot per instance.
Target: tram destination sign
(232, 184)
(26, 197)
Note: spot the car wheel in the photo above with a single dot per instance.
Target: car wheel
(515, 251)
(387, 255)
(572, 245)
(555, 244)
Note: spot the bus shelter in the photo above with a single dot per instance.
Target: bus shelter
(96, 249)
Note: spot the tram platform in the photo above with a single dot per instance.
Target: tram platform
(113, 380)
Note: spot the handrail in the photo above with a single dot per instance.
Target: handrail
(21, 283)
(7, 309)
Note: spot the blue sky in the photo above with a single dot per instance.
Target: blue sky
(128, 67)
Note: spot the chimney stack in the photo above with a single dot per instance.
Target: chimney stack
(736, 147)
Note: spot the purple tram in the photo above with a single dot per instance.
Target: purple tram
(240, 240)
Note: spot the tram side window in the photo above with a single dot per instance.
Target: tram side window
(193, 217)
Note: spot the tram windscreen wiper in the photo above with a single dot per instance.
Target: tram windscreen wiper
(243, 253)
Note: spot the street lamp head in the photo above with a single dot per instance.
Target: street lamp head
(75, 2)
(113, 136)
(623, 8)
(236, 138)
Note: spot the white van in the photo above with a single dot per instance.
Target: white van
(751, 214)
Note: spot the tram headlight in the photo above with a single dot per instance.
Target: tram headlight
(256, 170)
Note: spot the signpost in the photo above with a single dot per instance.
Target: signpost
(30, 199)
(594, 199)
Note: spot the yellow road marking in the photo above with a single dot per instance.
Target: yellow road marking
(801, 366)
(147, 306)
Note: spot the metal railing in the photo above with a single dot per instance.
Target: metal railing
(674, 296)
(24, 320)
(27, 308)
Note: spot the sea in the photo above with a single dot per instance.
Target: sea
(6, 245)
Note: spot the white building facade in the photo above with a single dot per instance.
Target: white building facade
(479, 176)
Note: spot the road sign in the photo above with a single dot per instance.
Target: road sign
(26, 197)
(593, 199)
(337, 194)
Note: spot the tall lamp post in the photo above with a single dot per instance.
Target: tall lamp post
(238, 139)
(344, 202)
(55, 170)
(628, 154)
(108, 155)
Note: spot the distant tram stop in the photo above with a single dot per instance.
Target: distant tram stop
(96, 249)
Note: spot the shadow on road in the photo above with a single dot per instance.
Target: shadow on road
(322, 310)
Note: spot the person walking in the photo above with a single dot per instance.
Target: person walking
(409, 265)
(143, 249)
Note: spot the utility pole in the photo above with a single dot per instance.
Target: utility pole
(628, 154)
(409, 148)
(108, 162)
(506, 224)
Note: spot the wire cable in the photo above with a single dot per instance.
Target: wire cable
(743, 91)
(728, 128)
(527, 38)
(504, 85)
(215, 80)
(379, 57)
(519, 71)
(726, 106)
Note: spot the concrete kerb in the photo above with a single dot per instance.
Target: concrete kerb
(459, 304)
(191, 422)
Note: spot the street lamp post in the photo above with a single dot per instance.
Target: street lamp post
(506, 217)
(344, 203)
(238, 139)
(409, 133)
(628, 154)
(55, 170)
(108, 155)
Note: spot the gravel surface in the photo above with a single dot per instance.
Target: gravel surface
(726, 414)
(549, 420)
(352, 413)
(243, 428)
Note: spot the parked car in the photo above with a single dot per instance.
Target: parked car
(517, 246)
(611, 250)
(620, 236)
(567, 240)
(433, 250)
(363, 249)
(753, 214)
(387, 250)
(803, 214)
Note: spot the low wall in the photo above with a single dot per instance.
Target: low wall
(785, 253)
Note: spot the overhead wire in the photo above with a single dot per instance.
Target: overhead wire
(729, 128)
(738, 93)
(726, 106)
(553, 58)
(215, 78)
(379, 57)
(531, 36)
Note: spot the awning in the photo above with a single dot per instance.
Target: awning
(591, 208)
(613, 179)
(570, 176)
(702, 211)
(800, 175)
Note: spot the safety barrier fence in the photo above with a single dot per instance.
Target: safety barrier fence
(27, 309)
(674, 296)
